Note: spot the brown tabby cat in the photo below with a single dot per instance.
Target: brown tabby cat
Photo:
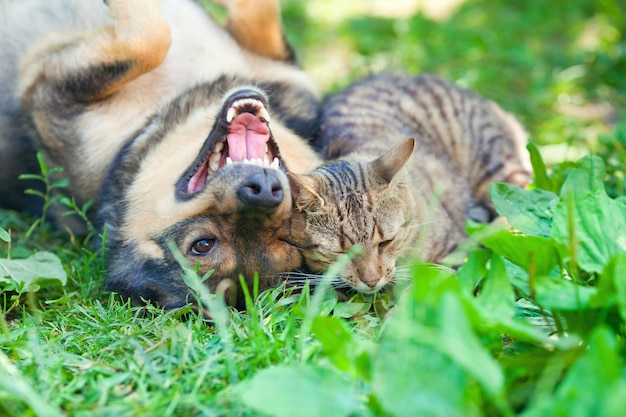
(387, 198)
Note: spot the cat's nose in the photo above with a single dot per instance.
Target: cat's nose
(371, 282)
(262, 189)
(371, 273)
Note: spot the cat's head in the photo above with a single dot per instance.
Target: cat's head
(352, 202)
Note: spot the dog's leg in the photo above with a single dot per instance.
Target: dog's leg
(90, 66)
(256, 26)
(69, 74)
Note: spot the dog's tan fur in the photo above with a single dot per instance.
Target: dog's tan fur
(125, 97)
(244, 27)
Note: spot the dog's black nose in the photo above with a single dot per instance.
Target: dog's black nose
(262, 189)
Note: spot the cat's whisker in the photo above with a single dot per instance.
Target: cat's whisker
(407, 268)
(311, 280)
(299, 279)
(417, 248)
(339, 284)
(414, 226)
(299, 274)
(403, 278)
(445, 268)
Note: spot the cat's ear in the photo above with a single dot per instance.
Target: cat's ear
(305, 196)
(391, 163)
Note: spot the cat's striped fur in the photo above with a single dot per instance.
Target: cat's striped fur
(463, 143)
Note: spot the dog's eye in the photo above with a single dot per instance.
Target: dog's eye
(202, 246)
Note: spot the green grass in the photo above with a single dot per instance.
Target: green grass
(533, 324)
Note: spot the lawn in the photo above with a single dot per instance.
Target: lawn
(532, 323)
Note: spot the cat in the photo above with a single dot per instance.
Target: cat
(392, 196)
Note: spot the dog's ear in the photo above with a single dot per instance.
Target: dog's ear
(143, 279)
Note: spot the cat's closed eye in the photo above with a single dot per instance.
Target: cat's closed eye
(383, 245)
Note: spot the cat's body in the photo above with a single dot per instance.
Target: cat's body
(462, 144)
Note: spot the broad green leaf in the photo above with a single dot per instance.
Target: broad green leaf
(531, 333)
(496, 297)
(417, 380)
(341, 346)
(559, 294)
(429, 359)
(587, 385)
(41, 268)
(617, 271)
(599, 222)
(530, 212)
(4, 235)
(539, 168)
(350, 309)
(612, 285)
(615, 402)
(517, 327)
(327, 302)
(559, 173)
(533, 253)
(518, 277)
(462, 344)
(474, 269)
(303, 391)
(413, 374)
(430, 281)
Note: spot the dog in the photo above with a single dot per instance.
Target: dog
(178, 129)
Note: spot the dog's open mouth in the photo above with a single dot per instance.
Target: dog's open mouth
(241, 134)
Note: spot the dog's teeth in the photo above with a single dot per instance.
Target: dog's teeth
(266, 161)
(218, 147)
(229, 160)
(214, 161)
(237, 106)
(275, 163)
(263, 113)
(230, 115)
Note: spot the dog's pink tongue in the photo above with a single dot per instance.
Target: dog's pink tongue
(247, 137)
